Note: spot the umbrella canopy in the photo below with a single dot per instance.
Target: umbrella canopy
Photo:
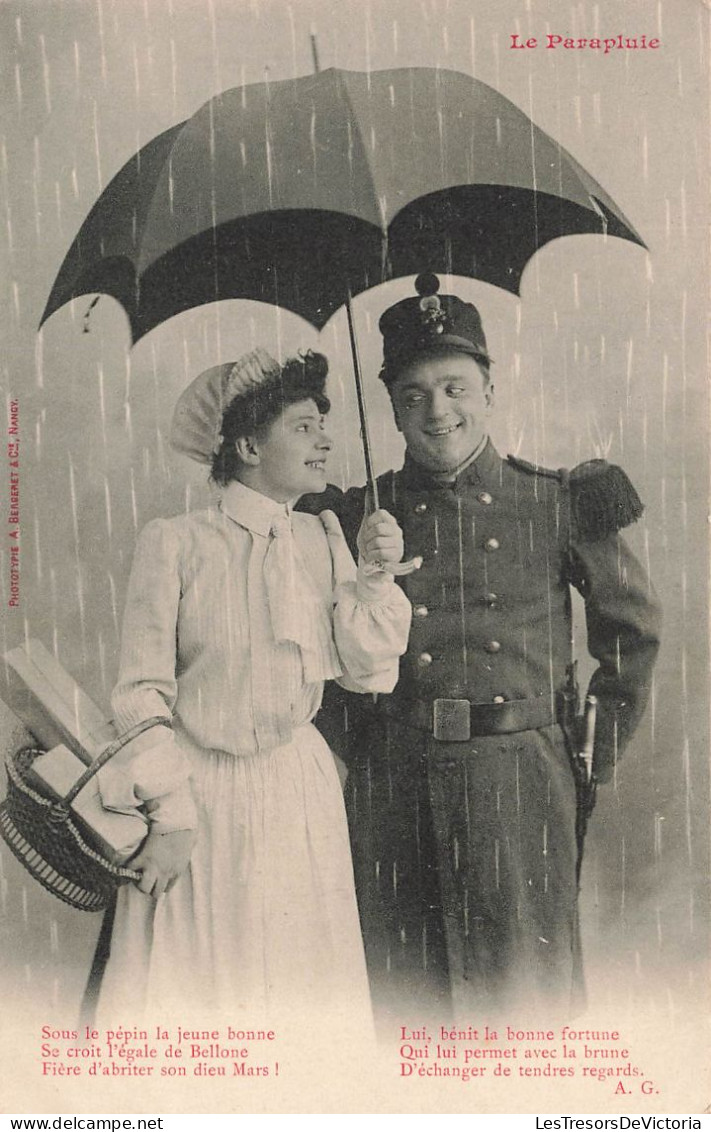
(301, 192)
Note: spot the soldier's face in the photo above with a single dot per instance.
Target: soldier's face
(442, 406)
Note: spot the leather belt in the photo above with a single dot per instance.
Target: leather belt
(456, 721)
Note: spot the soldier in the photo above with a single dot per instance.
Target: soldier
(461, 791)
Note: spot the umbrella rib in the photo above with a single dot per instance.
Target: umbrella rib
(179, 130)
(345, 93)
(601, 214)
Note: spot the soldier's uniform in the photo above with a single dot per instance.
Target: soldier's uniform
(461, 795)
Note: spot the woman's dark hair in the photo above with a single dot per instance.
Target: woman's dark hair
(302, 378)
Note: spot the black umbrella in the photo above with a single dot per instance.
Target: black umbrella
(305, 192)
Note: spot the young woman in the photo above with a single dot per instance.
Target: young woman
(235, 616)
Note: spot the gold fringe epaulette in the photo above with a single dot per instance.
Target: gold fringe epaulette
(603, 499)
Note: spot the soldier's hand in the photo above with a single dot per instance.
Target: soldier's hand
(380, 538)
(162, 859)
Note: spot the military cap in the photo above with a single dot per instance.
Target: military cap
(429, 323)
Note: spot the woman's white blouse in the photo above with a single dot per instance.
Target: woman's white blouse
(198, 643)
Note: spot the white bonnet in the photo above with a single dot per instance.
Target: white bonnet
(197, 419)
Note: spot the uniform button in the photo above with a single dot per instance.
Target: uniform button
(492, 646)
(420, 508)
(420, 611)
(485, 498)
(491, 599)
(424, 659)
(492, 544)
(499, 699)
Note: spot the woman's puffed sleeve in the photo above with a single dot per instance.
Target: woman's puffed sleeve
(371, 619)
(152, 770)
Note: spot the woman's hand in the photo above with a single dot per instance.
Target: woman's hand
(162, 859)
(380, 539)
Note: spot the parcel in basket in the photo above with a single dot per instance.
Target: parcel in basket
(65, 817)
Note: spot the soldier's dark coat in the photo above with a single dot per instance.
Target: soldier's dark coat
(465, 852)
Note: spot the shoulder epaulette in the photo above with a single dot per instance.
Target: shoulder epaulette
(602, 497)
(603, 500)
(537, 469)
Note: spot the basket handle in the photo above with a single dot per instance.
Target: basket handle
(112, 749)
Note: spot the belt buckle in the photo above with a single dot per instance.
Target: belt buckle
(451, 720)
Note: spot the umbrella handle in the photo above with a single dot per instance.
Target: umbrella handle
(397, 569)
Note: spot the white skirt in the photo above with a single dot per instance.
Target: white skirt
(264, 924)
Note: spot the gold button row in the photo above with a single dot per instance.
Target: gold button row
(483, 497)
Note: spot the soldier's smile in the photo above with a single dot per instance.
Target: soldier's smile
(442, 431)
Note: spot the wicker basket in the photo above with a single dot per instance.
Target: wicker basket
(53, 844)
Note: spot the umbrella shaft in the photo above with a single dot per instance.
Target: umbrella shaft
(314, 54)
(370, 475)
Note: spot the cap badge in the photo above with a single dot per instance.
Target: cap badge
(432, 316)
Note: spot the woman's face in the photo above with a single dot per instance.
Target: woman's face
(290, 458)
